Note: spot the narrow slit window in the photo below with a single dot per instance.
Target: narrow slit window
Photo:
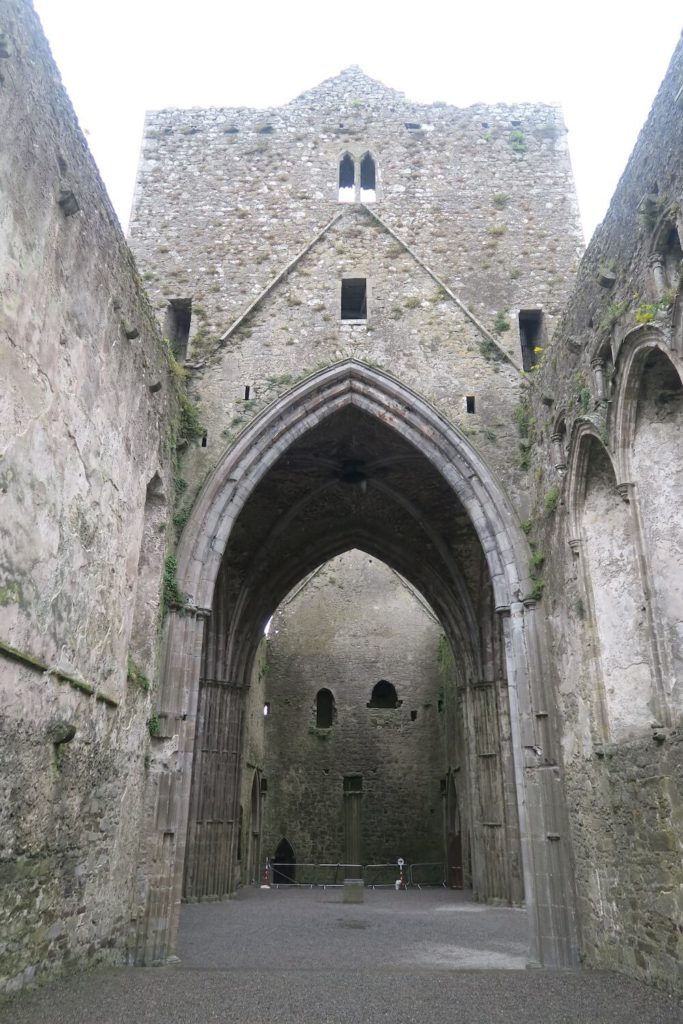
(247, 392)
(177, 326)
(354, 298)
(530, 336)
(347, 179)
(324, 709)
(469, 403)
(368, 179)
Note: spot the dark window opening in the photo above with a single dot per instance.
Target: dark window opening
(384, 695)
(530, 336)
(413, 126)
(205, 438)
(413, 716)
(247, 392)
(353, 783)
(469, 403)
(324, 709)
(368, 178)
(284, 864)
(177, 326)
(347, 179)
(354, 299)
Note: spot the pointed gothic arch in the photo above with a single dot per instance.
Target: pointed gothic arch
(450, 458)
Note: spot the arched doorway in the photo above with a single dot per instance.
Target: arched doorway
(351, 458)
(284, 864)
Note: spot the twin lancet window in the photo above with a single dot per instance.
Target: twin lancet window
(357, 179)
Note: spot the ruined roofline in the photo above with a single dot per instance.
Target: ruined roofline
(355, 77)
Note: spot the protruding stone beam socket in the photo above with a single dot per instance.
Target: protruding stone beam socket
(606, 278)
(68, 202)
(130, 330)
(5, 46)
(60, 731)
(559, 454)
(598, 368)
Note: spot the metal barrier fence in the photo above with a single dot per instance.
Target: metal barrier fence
(314, 875)
(375, 876)
(428, 873)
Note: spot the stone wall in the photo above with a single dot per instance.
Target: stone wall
(606, 428)
(352, 624)
(238, 211)
(84, 486)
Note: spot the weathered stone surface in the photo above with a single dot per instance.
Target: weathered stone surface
(80, 438)
(563, 686)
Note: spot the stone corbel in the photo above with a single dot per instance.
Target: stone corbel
(575, 544)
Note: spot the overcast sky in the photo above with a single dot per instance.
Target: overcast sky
(602, 60)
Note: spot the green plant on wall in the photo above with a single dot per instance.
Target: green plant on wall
(501, 324)
(551, 499)
(526, 428)
(171, 594)
(517, 141)
(137, 676)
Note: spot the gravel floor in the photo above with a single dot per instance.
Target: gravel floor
(304, 956)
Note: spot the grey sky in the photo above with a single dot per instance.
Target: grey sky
(602, 61)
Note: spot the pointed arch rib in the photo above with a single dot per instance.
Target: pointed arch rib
(380, 395)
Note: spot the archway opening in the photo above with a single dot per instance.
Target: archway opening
(392, 509)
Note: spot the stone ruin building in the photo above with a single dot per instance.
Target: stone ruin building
(341, 517)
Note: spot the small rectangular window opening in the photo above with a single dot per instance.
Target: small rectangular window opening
(266, 709)
(353, 783)
(247, 392)
(354, 299)
(204, 440)
(469, 403)
(177, 326)
(530, 336)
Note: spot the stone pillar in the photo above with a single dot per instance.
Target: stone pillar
(659, 662)
(598, 368)
(559, 453)
(658, 271)
(160, 873)
(548, 873)
(600, 717)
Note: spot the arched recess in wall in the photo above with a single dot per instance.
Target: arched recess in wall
(347, 179)
(666, 257)
(602, 521)
(650, 431)
(243, 588)
(384, 695)
(284, 863)
(368, 178)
